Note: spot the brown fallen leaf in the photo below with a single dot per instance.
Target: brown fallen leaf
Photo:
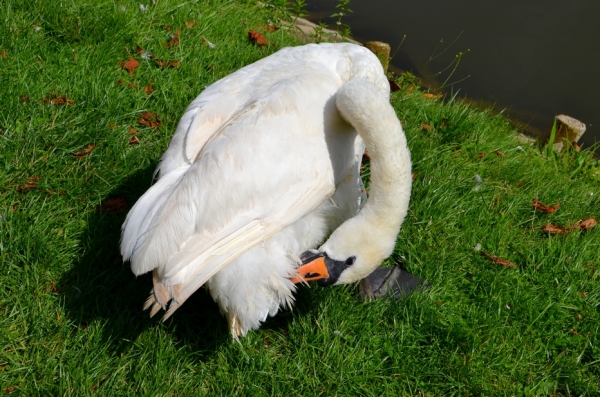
(544, 208)
(481, 155)
(8, 389)
(14, 208)
(554, 229)
(34, 179)
(95, 386)
(257, 38)
(26, 187)
(410, 89)
(174, 40)
(3, 54)
(53, 287)
(393, 85)
(270, 27)
(24, 98)
(576, 147)
(366, 156)
(167, 28)
(414, 176)
(584, 225)
(132, 131)
(148, 89)
(499, 260)
(63, 100)
(166, 64)
(134, 140)
(429, 95)
(149, 119)
(115, 205)
(130, 65)
(190, 24)
(132, 85)
(85, 151)
(426, 127)
(499, 153)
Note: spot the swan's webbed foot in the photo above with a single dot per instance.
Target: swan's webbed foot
(389, 282)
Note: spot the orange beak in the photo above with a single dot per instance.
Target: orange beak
(311, 271)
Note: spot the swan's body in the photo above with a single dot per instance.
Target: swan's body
(262, 167)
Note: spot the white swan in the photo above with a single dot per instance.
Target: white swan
(264, 164)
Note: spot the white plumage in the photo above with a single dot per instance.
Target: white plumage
(262, 167)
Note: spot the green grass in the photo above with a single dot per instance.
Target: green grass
(70, 311)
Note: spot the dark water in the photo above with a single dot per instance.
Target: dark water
(535, 58)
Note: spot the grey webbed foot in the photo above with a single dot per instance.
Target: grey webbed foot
(389, 282)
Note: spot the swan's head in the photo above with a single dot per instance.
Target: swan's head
(351, 254)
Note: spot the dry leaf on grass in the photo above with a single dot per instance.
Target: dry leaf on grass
(132, 131)
(53, 287)
(167, 28)
(95, 386)
(148, 89)
(134, 140)
(3, 54)
(429, 95)
(270, 27)
(8, 389)
(149, 119)
(130, 65)
(115, 205)
(190, 24)
(166, 64)
(581, 225)
(26, 187)
(174, 40)
(366, 156)
(584, 225)
(257, 38)
(499, 260)
(414, 176)
(554, 229)
(63, 100)
(481, 155)
(426, 127)
(543, 207)
(499, 153)
(24, 98)
(84, 152)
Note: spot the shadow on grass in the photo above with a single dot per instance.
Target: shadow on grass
(101, 289)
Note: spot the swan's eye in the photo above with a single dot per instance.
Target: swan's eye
(350, 261)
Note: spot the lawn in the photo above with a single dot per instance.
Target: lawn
(80, 136)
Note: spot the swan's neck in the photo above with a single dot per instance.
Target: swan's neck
(371, 234)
